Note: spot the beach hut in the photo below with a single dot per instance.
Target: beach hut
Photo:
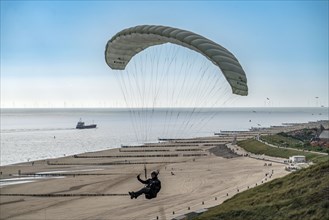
(324, 136)
(297, 159)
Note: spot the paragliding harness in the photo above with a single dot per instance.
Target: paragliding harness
(152, 187)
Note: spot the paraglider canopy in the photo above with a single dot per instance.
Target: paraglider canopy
(122, 47)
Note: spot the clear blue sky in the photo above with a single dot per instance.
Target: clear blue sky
(53, 51)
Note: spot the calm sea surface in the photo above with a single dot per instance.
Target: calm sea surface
(32, 134)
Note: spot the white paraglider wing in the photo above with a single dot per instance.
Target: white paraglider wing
(122, 47)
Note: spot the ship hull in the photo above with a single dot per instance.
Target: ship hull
(86, 127)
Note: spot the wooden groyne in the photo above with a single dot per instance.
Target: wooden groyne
(142, 155)
(109, 164)
(144, 150)
(158, 150)
(64, 195)
(159, 145)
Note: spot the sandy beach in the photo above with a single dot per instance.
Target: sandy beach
(195, 174)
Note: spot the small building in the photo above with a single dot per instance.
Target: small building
(322, 140)
(324, 135)
(297, 159)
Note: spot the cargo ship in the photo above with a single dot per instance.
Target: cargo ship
(81, 125)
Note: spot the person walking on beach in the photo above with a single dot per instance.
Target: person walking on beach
(151, 189)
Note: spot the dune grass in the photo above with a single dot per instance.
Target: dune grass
(257, 147)
(284, 140)
(300, 195)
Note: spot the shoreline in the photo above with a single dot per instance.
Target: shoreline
(241, 135)
(195, 173)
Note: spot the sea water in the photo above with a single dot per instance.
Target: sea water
(34, 134)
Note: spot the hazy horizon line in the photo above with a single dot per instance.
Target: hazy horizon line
(102, 107)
